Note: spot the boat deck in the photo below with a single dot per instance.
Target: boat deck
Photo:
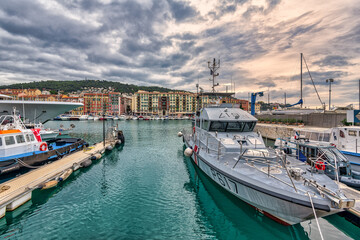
(17, 191)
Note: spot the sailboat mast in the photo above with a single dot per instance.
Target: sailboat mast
(301, 81)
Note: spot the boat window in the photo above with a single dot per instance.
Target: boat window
(9, 140)
(235, 127)
(20, 138)
(249, 126)
(307, 135)
(315, 136)
(352, 133)
(0, 141)
(27, 137)
(205, 124)
(342, 134)
(326, 137)
(218, 126)
(32, 138)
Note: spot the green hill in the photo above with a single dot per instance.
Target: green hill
(71, 86)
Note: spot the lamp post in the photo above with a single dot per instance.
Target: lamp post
(330, 80)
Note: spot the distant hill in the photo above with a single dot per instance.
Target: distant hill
(71, 86)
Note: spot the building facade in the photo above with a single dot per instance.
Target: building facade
(96, 103)
(170, 103)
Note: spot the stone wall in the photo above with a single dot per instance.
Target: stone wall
(325, 120)
(273, 131)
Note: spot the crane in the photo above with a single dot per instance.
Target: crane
(253, 100)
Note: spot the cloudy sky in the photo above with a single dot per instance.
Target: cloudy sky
(169, 42)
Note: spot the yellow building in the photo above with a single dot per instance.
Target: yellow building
(257, 107)
(170, 103)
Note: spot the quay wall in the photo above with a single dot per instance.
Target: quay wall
(324, 120)
(273, 131)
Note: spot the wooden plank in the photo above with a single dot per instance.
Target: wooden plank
(31, 180)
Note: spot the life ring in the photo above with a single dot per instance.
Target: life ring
(320, 165)
(43, 147)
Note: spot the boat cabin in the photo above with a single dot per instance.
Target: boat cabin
(15, 139)
(232, 126)
(225, 120)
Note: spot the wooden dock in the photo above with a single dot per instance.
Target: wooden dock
(17, 191)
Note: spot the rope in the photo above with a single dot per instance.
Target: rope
(322, 104)
(317, 222)
(25, 164)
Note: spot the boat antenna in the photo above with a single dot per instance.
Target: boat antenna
(214, 66)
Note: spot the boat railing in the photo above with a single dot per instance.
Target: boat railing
(8, 122)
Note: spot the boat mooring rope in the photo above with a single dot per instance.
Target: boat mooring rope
(25, 164)
(317, 222)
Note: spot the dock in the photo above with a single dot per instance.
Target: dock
(352, 214)
(18, 191)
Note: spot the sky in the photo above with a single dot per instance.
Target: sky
(169, 43)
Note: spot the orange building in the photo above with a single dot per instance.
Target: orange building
(96, 103)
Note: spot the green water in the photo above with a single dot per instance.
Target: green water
(148, 190)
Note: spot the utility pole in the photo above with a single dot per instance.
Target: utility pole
(213, 68)
(285, 98)
(330, 80)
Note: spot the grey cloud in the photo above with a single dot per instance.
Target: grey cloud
(333, 60)
(181, 11)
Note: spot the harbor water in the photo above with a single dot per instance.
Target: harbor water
(147, 189)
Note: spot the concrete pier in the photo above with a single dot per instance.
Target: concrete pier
(18, 191)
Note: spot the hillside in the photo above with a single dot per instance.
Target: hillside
(71, 86)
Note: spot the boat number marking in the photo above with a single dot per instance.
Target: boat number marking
(223, 115)
(224, 180)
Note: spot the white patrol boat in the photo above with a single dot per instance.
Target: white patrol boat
(222, 144)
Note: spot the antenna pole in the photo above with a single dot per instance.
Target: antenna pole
(213, 68)
(301, 80)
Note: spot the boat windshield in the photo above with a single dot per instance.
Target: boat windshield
(6, 119)
(231, 126)
(332, 153)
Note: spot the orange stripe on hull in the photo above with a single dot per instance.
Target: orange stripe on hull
(9, 131)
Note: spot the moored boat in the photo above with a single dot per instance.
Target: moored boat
(22, 147)
(222, 144)
(322, 157)
(83, 117)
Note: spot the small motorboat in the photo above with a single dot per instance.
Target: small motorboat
(22, 147)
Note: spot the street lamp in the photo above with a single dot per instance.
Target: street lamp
(330, 80)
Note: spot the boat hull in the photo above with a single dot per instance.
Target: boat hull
(283, 211)
(70, 145)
